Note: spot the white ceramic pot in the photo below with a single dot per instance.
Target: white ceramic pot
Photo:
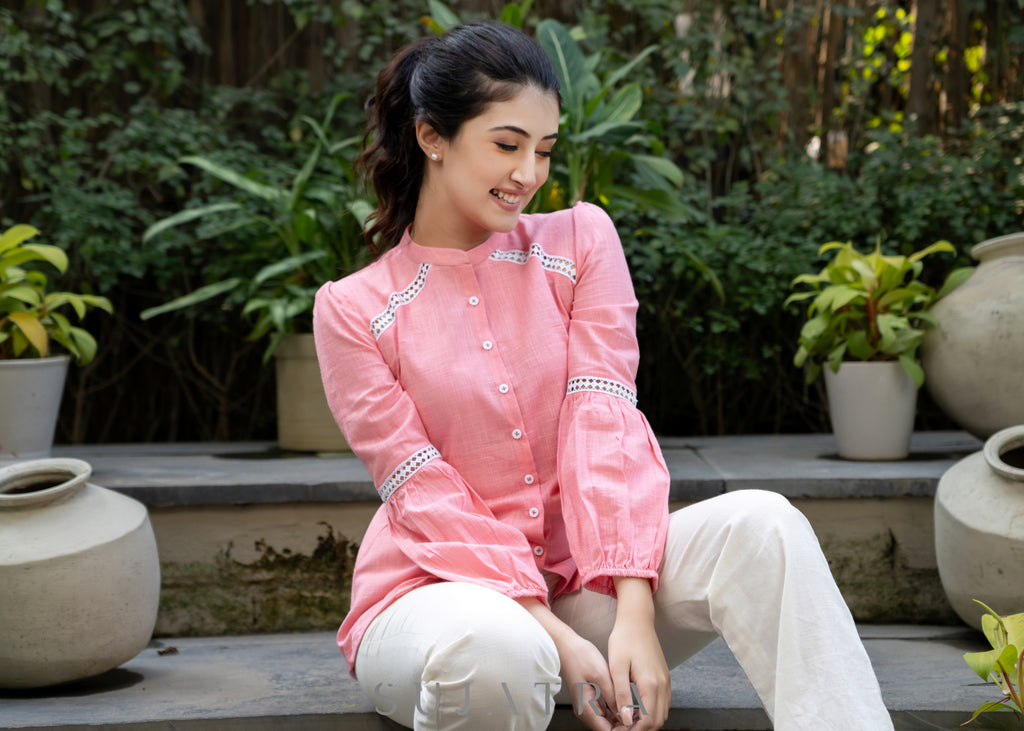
(30, 394)
(872, 407)
(79, 572)
(304, 420)
(979, 528)
(972, 359)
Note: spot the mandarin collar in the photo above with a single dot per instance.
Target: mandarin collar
(449, 257)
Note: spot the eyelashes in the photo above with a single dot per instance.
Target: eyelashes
(512, 148)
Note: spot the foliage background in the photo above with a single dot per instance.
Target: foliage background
(794, 123)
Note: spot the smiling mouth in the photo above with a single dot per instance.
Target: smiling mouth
(511, 199)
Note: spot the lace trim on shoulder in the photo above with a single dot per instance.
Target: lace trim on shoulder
(557, 264)
(406, 470)
(601, 385)
(385, 319)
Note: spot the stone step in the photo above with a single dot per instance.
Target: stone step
(298, 682)
(253, 539)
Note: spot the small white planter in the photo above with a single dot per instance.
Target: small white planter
(79, 575)
(872, 407)
(979, 528)
(30, 394)
(304, 420)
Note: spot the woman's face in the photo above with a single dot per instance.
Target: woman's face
(488, 172)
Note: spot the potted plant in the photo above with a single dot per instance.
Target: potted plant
(311, 229)
(866, 318)
(32, 319)
(1004, 663)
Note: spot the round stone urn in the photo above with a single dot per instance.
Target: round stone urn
(79, 573)
(972, 359)
(979, 528)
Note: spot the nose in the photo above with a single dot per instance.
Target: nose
(525, 172)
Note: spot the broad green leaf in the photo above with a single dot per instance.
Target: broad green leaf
(53, 255)
(569, 62)
(23, 293)
(288, 264)
(189, 214)
(442, 15)
(913, 368)
(193, 298)
(955, 279)
(624, 104)
(661, 166)
(15, 235)
(267, 193)
(625, 69)
(85, 344)
(934, 248)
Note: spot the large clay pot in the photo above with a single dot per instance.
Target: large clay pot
(871, 407)
(972, 359)
(79, 572)
(979, 528)
(30, 394)
(304, 420)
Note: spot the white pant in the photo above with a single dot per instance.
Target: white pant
(745, 565)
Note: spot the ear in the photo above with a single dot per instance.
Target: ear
(428, 138)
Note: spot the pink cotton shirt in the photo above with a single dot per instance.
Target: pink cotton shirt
(491, 396)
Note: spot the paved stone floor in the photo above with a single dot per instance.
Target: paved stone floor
(298, 682)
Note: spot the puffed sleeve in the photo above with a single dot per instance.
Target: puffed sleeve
(613, 478)
(433, 515)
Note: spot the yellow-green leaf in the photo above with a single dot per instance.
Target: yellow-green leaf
(32, 329)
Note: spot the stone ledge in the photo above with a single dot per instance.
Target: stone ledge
(298, 682)
(237, 473)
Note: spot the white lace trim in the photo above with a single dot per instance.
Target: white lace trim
(557, 264)
(406, 470)
(385, 319)
(601, 385)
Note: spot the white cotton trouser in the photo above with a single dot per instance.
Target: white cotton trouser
(745, 566)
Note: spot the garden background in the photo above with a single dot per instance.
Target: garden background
(791, 123)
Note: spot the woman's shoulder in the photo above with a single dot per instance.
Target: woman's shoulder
(581, 223)
(364, 286)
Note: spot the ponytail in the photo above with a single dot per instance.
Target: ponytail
(393, 160)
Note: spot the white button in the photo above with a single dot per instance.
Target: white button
(528, 479)
(539, 550)
(534, 512)
(503, 388)
(516, 434)
(488, 345)
(474, 301)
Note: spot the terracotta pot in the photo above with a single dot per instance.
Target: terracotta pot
(872, 407)
(304, 420)
(30, 391)
(979, 528)
(972, 360)
(79, 571)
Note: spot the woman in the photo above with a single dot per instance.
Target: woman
(483, 368)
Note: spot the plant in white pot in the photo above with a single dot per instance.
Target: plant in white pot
(303, 232)
(866, 318)
(32, 319)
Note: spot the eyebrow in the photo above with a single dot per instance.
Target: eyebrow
(521, 131)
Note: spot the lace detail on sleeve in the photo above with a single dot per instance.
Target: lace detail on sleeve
(384, 320)
(406, 470)
(557, 264)
(601, 385)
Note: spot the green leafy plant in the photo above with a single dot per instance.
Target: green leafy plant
(868, 307)
(1004, 663)
(310, 230)
(601, 136)
(29, 311)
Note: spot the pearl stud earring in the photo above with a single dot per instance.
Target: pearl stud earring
(433, 156)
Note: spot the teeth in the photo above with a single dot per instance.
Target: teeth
(502, 196)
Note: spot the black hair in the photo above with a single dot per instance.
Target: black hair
(444, 81)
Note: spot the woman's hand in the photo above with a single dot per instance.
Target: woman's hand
(635, 655)
(584, 671)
